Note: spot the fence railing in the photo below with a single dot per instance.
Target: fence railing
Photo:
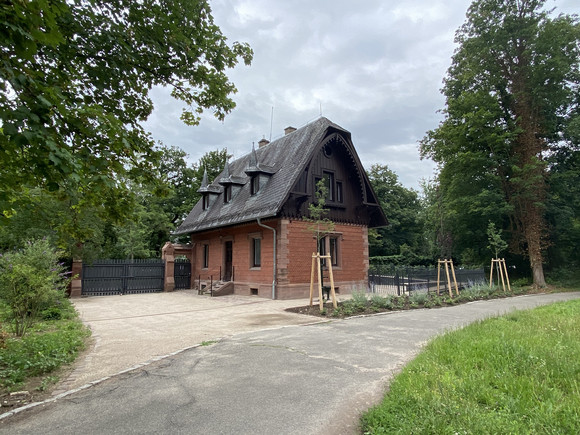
(400, 281)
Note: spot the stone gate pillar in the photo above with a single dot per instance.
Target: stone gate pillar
(76, 284)
(168, 254)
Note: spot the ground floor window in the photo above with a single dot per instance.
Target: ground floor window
(205, 257)
(256, 248)
(330, 245)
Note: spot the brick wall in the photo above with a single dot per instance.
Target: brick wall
(297, 244)
(294, 258)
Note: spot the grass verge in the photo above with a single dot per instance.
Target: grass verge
(32, 361)
(518, 373)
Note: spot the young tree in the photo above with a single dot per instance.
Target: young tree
(496, 244)
(511, 95)
(319, 225)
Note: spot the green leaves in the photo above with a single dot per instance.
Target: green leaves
(75, 78)
(511, 95)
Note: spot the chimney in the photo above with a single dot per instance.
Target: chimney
(289, 130)
(263, 142)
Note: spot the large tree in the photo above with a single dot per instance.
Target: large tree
(75, 77)
(511, 96)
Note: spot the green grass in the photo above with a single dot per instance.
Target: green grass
(48, 345)
(519, 373)
(208, 342)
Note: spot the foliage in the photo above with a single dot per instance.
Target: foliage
(75, 78)
(358, 301)
(563, 209)
(402, 208)
(512, 374)
(31, 280)
(511, 96)
(496, 244)
(153, 212)
(54, 343)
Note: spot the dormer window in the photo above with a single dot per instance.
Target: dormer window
(227, 193)
(255, 184)
(258, 173)
(205, 201)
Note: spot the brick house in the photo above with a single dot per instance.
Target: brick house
(247, 229)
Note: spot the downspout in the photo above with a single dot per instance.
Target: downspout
(274, 271)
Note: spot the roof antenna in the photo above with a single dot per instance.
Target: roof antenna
(271, 122)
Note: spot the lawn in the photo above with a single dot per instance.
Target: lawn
(519, 373)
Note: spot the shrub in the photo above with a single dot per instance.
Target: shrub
(381, 302)
(31, 280)
(418, 298)
(359, 300)
(398, 303)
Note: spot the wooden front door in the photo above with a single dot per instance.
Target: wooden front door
(228, 257)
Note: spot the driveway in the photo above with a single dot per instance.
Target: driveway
(132, 329)
(312, 379)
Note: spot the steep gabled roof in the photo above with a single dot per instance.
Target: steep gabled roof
(283, 160)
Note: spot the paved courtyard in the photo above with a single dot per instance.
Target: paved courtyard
(132, 329)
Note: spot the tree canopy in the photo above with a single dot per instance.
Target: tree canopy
(402, 208)
(75, 78)
(512, 99)
(153, 211)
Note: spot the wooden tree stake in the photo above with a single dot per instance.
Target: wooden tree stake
(316, 264)
(501, 272)
(312, 277)
(447, 263)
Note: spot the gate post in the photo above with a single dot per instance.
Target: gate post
(76, 285)
(168, 254)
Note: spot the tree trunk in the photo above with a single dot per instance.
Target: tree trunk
(529, 183)
(536, 260)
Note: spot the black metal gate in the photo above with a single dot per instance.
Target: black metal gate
(113, 277)
(182, 273)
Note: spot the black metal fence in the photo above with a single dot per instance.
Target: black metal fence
(111, 277)
(390, 280)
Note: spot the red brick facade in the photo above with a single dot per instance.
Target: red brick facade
(295, 245)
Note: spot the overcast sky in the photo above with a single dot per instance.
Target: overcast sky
(374, 67)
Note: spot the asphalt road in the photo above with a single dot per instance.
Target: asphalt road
(313, 379)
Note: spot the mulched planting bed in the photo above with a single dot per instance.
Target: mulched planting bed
(376, 304)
